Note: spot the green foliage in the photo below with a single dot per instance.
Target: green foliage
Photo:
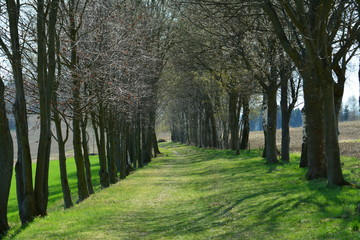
(192, 193)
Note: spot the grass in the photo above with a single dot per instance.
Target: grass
(192, 193)
(55, 192)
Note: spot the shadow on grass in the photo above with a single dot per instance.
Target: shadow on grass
(225, 196)
(278, 199)
(55, 192)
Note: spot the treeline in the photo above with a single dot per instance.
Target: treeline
(295, 120)
(78, 64)
(231, 54)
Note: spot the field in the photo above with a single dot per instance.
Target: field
(349, 139)
(192, 193)
(34, 138)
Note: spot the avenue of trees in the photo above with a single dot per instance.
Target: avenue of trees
(78, 64)
(228, 54)
(203, 66)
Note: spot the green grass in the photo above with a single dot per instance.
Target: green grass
(192, 193)
(56, 202)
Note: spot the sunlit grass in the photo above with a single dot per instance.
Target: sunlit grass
(55, 192)
(192, 193)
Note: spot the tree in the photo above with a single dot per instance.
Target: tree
(316, 22)
(72, 32)
(23, 167)
(46, 70)
(6, 161)
(288, 85)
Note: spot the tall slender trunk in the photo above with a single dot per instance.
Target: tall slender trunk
(246, 124)
(46, 77)
(332, 152)
(225, 137)
(264, 113)
(303, 158)
(23, 168)
(123, 150)
(62, 161)
(201, 140)
(233, 120)
(271, 150)
(155, 145)
(100, 142)
(138, 142)
(131, 146)
(79, 158)
(85, 147)
(60, 139)
(285, 113)
(6, 162)
(111, 132)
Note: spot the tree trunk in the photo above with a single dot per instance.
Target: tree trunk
(338, 94)
(6, 162)
(131, 146)
(100, 142)
(264, 112)
(225, 135)
(314, 127)
(304, 159)
(85, 147)
(79, 159)
(271, 150)
(60, 139)
(111, 152)
(285, 113)
(23, 168)
(155, 145)
(62, 161)
(233, 124)
(123, 151)
(138, 142)
(246, 124)
(332, 152)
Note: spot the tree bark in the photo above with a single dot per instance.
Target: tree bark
(285, 113)
(271, 150)
(79, 158)
(100, 142)
(23, 168)
(264, 112)
(138, 142)
(246, 124)
(155, 146)
(123, 150)
(303, 158)
(62, 160)
(234, 120)
(111, 133)
(332, 152)
(314, 127)
(85, 147)
(6, 162)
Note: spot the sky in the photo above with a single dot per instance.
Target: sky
(352, 82)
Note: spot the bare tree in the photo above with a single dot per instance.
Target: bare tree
(6, 161)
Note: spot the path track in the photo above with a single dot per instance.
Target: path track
(194, 193)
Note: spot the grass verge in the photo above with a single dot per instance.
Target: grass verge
(192, 193)
(55, 191)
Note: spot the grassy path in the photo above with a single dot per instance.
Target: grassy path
(209, 194)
